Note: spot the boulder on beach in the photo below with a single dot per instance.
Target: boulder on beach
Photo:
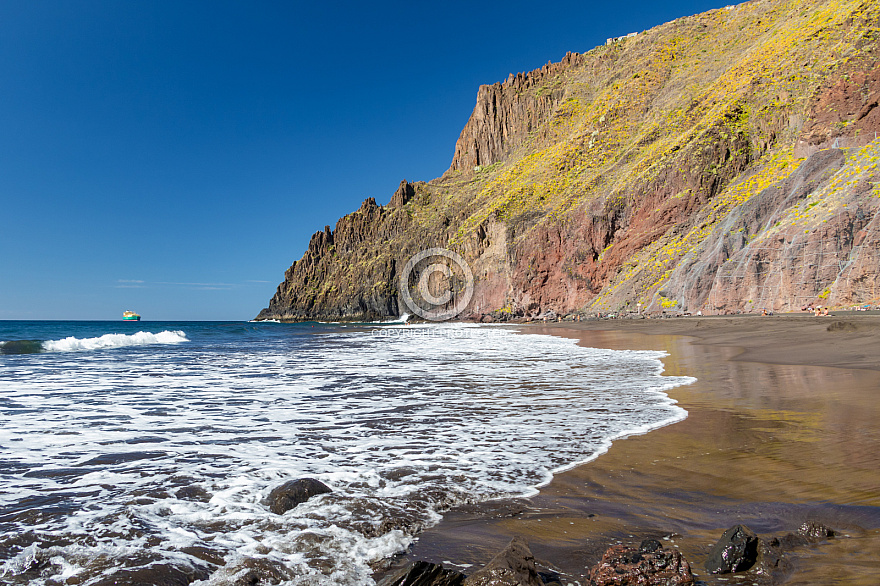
(736, 551)
(514, 566)
(291, 493)
(423, 574)
(648, 565)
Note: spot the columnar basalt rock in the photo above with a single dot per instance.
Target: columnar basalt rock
(507, 112)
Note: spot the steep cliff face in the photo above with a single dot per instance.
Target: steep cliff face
(693, 167)
(507, 113)
(335, 279)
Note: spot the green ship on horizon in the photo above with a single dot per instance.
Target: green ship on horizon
(130, 316)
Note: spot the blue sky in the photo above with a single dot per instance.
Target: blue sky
(174, 158)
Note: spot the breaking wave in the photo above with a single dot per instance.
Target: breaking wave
(72, 344)
(403, 319)
(165, 459)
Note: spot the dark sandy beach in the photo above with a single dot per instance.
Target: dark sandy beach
(783, 427)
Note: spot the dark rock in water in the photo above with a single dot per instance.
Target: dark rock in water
(155, 575)
(257, 572)
(649, 565)
(773, 559)
(294, 492)
(815, 531)
(550, 578)
(515, 566)
(789, 541)
(423, 574)
(204, 554)
(193, 493)
(736, 551)
(806, 534)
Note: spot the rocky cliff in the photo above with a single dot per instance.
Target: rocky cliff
(721, 162)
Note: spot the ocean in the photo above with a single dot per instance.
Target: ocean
(138, 449)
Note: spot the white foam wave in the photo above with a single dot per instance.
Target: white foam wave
(71, 344)
(398, 320)
(401, 422)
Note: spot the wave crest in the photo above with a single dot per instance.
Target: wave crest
(72, 344)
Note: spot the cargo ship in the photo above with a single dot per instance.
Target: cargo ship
(130, 316)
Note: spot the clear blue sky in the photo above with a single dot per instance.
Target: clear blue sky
(174, 157)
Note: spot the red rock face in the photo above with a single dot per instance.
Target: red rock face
(844, 110)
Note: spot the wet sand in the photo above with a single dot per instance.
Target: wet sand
(783, 426)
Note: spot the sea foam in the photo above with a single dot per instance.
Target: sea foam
(178, 447)
(72, 344)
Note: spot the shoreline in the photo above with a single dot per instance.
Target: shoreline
(781, 429)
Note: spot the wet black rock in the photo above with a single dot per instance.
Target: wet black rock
(514, 566)
(550, 578)
(204, 554)
(736, 551)
(293, 493)
(257, 572)
(649, 565)
(773, 559)
(808, 533)
(815, 531)
(423, 574)
(155, 575)
(789, 541)
(193, 493)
